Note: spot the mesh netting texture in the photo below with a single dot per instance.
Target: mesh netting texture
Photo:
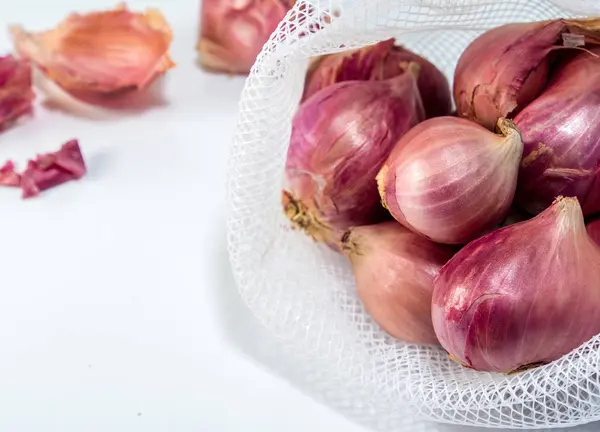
(305, 294)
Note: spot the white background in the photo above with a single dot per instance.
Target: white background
(117, 307)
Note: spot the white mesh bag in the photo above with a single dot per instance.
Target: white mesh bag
(305, 294)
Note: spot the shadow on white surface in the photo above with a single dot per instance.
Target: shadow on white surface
(104, 107)
(98, 163)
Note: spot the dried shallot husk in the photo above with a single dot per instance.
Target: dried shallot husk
(106, 52)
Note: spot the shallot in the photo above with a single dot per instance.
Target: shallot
(383, 60)
(507, 67)
(394, 270)
(561, 137)
(340, 138)
(451, 179)
(521, 296)
(232, 33)
(104, 52)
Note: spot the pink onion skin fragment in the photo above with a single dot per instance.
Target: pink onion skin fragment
(52, 169)
(16, 93)
(522, 295)
(8, 176)
(561, 137)
(108, 52)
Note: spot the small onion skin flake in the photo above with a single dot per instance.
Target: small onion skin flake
(507, 67)
(16, 92)
(561, 136)
(522, 295)
(8, 176)
(52, 169)
(394, 270)
(340, 138)
(450, 179)
(105, 52)
(593, 230)
(381, 61)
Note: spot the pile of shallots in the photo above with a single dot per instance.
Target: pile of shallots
(463, 228)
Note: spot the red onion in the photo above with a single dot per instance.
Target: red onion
(232, 33)
(340, 138)
(593, 230)
(561, 136)
(381, 61)
(521, 296)
(394, 270)
(507, 67)
(451, 179)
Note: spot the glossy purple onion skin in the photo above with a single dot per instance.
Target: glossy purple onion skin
(561, 135)
(450, 179)
(340, 138)
(521, 295)
(381, 61)
(394, 270)
(505, 68)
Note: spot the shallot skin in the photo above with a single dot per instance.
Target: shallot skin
(106, 52)
(340, 138)
(8, 176)
(561, 137)
(381, 61)
(52, 169)
(16, 92)
(450, 179)
(507, 67)
(394, 270)
(522, 295)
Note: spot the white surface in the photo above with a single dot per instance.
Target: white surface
(117, 308)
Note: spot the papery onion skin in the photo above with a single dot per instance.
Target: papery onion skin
(394, 270)
(561, 136)
(105, 52)
(49, 170)
(505, 68)
(340, 138)
(8, 176)
(593, 230)
(16, 92)
(520, 296)
(450, 179)
(233, 32)
(383, 60)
